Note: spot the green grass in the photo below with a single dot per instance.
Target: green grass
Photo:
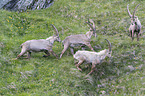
(124, 74)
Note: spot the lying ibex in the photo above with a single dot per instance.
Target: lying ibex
(44, 45)
(92, 57)
(135, 26)
(78, 40)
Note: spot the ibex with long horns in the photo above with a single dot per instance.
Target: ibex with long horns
(78, 40)
(135, 26)
(92, 57)
(40, 45)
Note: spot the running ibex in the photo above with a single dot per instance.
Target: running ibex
(44, 45)
(78, 40)
(135, 26)
(92, 57)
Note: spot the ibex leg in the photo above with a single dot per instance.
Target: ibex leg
(28, 55)
(22, 52)
(72, 51)
(51, 51)
(92, 69)
(48, 54)
(132, 35)
(79, 63)
(95, 35)
(137, 34)
(65, 48)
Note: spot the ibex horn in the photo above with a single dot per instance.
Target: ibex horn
(135, 10)
(93, 23)
(91, 26)
(109, 44)
(129, 11)
(56, 31)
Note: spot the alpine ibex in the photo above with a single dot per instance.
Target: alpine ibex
(40, 45)
(135, 26)
(92, 57)
(78, 40)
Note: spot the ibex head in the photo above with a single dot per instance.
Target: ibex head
(56, 33)
(109, 50)
(134, 18)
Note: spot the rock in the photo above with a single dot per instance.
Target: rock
(3, 2)
(23, 5)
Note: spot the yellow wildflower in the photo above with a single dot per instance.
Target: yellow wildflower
(7, 20)
(10, 17)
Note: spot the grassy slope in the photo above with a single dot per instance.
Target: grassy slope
(122, 75)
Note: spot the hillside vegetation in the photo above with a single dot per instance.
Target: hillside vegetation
(124, 74)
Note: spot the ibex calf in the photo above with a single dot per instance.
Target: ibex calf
(92, 57)
(78, 40)
(135, 26)
(44, 45)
